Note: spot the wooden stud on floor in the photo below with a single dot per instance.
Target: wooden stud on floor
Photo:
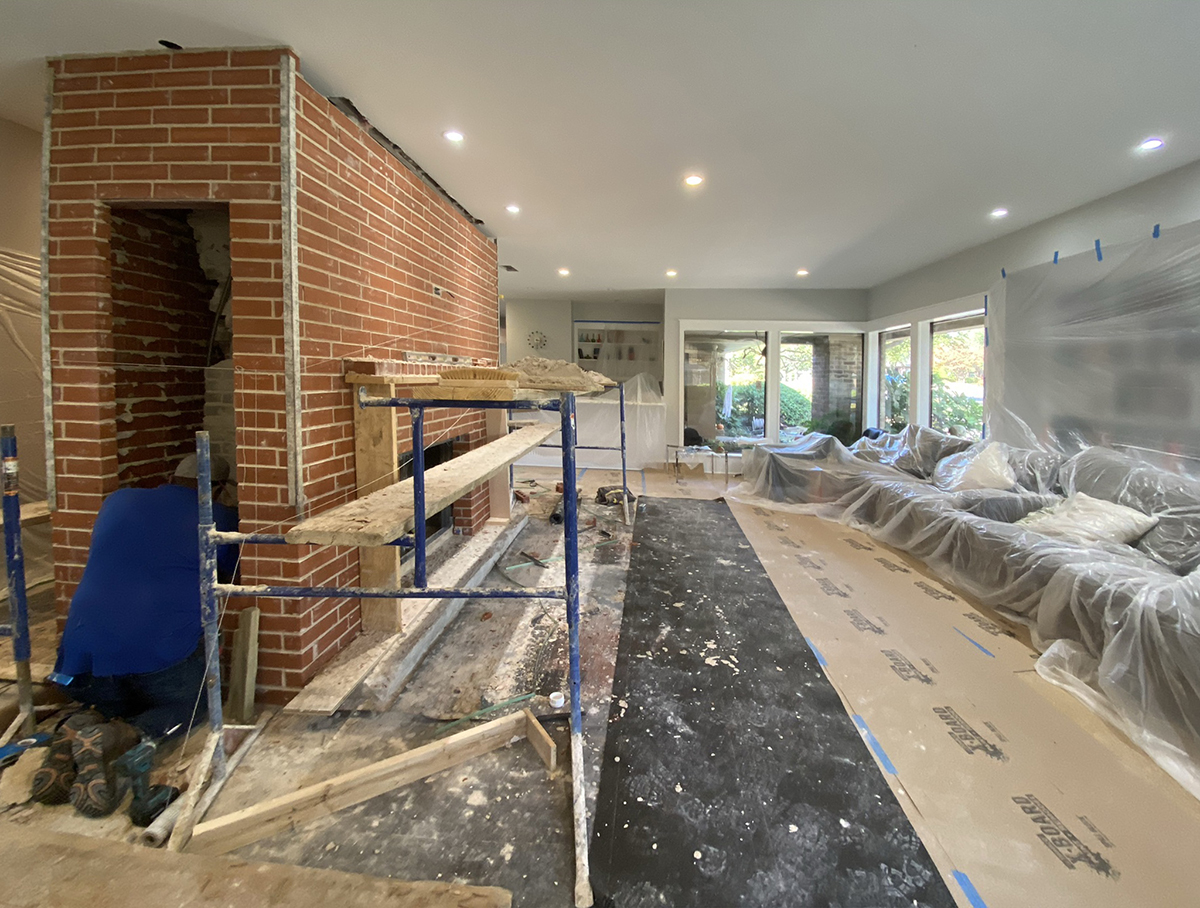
(541, 741)
(288, 811)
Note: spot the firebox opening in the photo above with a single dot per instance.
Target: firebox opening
(172, 338)
(443, 521)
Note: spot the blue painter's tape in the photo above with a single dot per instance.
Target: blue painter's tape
(1155, 234)
(579, 478)
(1003, 273)
(643, 482)
(1056, 256)
(816, 652)
(874, 744)
(1099, 254)
(973, 896)
(980, 647)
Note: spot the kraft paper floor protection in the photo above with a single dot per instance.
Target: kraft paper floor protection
(1021, 797)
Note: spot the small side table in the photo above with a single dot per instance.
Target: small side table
(698, 449)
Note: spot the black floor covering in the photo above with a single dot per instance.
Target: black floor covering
(732, 774)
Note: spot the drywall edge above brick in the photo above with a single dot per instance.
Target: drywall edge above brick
(163, 52)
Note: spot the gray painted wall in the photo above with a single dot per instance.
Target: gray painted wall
(20, 188)
(617, 312)
(551, 317)
(1171, 199)
(20, 331)
(769, 305)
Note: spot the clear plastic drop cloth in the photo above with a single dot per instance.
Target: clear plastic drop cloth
(1093, 389)
(21, 397)
(598, 424)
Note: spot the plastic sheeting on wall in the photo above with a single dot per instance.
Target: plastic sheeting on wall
(598, 422)
(21, 394)
(1100, 351)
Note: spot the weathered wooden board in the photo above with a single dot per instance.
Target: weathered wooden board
(31, 513)
(288, 811)
(403, 381)
(387, 514)
(74, 871)
(243, 668)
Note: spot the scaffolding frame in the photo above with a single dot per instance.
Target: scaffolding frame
(211, 589)
(17, 626)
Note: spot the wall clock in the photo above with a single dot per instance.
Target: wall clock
(536, 340)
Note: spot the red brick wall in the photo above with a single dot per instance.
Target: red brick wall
(192, 127)
(374, 240)
(161, 326)
(144, 130)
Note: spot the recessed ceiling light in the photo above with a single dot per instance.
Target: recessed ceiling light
(693, 179)
(564, 271)
(672, 273)
(512, 209)
(452, 135)
(803, 272)
(999, 212)
(1151, 144)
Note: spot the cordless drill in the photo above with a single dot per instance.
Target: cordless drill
(148, 800)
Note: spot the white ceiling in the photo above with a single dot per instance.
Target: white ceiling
(856, 139)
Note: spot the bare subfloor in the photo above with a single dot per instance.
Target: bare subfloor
(498, 818)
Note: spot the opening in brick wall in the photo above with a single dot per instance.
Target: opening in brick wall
(443, 520)
(171, 337)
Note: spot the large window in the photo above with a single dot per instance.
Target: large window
(956, 376)
(895, 366)
(724, 385)
(727, 375)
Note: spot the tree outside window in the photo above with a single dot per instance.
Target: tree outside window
(956, 377)
(895, 357)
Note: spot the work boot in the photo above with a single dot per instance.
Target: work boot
(52, 782)
(96, 792)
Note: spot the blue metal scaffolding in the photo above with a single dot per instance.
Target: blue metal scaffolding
(18, 624)
(211, 589)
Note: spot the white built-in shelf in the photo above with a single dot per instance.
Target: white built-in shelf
(620, 350)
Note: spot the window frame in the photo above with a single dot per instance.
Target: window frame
(920, 325)
(946, 325)
(775, 328)
(890, 334)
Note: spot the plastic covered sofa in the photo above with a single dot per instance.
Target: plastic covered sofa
(1114, 620)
